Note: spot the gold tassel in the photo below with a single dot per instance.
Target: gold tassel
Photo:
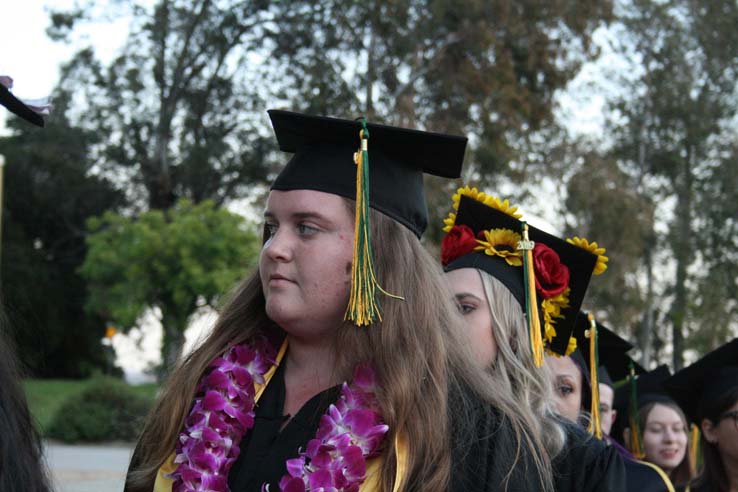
(531, 300)
(595, 426)
(694, 444)
(636, 445)
(363, 307)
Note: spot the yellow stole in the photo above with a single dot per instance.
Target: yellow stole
(164, 484)
(662, 474)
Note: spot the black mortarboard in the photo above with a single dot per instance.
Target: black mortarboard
(604, 376)
(17, 107)
(323, 160)
(648, 388)
(705, 380)
(479, 216)
(612, 354)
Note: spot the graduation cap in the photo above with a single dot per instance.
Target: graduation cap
(640, 390)
(604, 377)
(18, 107)
(548, 276)
(332, 155)
(600, 352)
(706, 380)
(612, 359)
(323, 160)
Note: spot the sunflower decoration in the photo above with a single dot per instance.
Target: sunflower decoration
(489, 200)
(502, 243)
(593, 248)
(547, 275)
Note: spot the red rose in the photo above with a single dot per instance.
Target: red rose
(458, 242)
(552, 276)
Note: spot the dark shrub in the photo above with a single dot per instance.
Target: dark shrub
(107, 410)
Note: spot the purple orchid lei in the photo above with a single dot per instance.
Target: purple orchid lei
(222, 413)
(349, 433)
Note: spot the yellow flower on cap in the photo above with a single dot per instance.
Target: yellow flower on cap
(593, 248)
(502, 243)
(489, 200)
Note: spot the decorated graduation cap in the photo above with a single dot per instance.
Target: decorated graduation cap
(332, 155)
(706, 380)
(18, 107)
(599, 351)
(547, 275)
(641, 389)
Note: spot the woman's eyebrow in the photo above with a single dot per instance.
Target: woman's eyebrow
(462, 295)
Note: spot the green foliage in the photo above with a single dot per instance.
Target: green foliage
(602, 196)
(106, 410)
(46, 396)
(176, 260)
(673, 137)
(483, 68)
(176, 105)
(49, 192)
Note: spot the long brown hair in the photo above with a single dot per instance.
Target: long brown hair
(713, 475)
(21, 453)
(417, 353)
(685, 470)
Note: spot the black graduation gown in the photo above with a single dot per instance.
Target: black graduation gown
(640, 476)
(483, 450)
(587, 464)
(264, 449)
(480, 462)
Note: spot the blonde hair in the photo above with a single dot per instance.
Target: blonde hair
(417, 353)
(514, 367)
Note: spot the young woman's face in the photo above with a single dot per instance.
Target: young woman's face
(305, 263)
(607, 413)
(725, 434)
(567, 383)
(664, 437)
(471, 299)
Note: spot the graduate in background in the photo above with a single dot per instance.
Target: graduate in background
(610, 354)
(708, 392)
(485, 271)
(656, 430)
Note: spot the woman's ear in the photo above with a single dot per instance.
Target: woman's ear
(708, 430)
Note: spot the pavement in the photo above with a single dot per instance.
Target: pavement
(100, 468)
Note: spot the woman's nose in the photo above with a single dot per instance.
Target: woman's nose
(279, 246)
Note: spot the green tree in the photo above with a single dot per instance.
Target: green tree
(175, 260)
(181, 105)
(668, 124)
(49, 194)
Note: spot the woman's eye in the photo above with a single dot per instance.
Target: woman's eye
(565, 390)
(306, 230)
(465, 309)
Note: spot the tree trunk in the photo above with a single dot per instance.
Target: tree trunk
(682, 253)
(647, 327)
(172, 343)
(371, 71)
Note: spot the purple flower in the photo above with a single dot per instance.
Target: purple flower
(221, 414)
